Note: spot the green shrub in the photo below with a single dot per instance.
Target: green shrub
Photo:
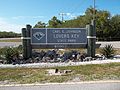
(10, 53)
(108, 51)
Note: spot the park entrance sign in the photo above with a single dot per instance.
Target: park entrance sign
(58, 38)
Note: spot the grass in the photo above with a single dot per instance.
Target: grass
(82, 73)
(97, 72)
(11, 40)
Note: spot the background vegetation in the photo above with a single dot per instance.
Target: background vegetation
(9, 34)
(107, 26)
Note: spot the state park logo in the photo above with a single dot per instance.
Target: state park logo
(39, 35)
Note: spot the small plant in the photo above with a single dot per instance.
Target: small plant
(108, 51)
(10, 53)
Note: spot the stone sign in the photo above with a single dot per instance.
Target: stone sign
(58, 36)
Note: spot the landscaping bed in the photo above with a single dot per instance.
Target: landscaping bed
(79, 73)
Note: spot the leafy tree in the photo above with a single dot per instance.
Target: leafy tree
(103, 26)
(115, 27)
(89, 14)
(40, 25)
(107, 26)
(54, 23)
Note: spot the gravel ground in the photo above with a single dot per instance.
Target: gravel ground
(46, 65)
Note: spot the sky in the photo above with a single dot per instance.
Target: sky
(15, 14)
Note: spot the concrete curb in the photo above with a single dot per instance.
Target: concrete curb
(66, 83)
(48, 65)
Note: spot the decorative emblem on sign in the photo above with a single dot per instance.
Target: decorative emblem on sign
(38, 35)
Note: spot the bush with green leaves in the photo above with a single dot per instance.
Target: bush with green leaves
(9, 53)
(108, 51)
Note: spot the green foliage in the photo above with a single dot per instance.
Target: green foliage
(103, 26)
(9, 34)
(54, 23)
(40, 25)
(115, 31)
(107, 26)
(10, 53)
(108, 51)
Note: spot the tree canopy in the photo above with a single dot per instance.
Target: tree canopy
(107, 26)
(54, 23)
(5, 34)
